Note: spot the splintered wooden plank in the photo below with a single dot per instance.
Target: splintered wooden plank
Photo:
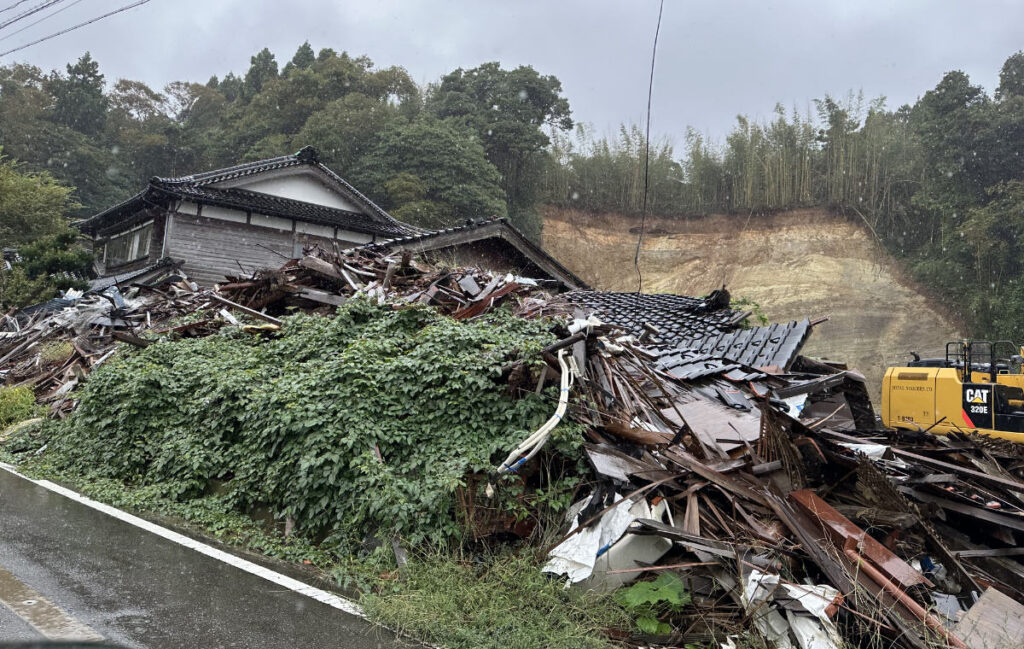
(320, 266)
(994, 622)
(720, 426)
(322, 297)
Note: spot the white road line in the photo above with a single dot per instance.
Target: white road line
(340, 603)
(43, 615)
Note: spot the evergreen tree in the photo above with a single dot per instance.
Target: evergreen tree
(79, 102)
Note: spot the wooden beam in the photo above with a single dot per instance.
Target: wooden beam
(247, 311)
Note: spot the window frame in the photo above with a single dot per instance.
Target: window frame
(138, 240)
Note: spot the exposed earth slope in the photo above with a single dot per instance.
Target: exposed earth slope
(795, 264)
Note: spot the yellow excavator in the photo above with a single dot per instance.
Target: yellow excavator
(977, 387)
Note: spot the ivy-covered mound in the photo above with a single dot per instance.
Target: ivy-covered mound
(292, 421)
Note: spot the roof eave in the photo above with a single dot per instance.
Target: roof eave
(96, 222)
(281, 212)
(499, 228)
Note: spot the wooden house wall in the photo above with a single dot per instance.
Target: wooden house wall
(214, 248)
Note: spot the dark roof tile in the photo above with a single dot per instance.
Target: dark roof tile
(699, 336)
(198, 187)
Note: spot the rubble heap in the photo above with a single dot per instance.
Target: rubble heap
(718, 453)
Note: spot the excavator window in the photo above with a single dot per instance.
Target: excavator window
(1009, 400)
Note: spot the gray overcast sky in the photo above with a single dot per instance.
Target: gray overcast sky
(715, 59)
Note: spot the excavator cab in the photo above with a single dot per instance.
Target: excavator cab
(977, 387)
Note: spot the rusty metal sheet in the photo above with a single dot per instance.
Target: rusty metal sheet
(476, 308)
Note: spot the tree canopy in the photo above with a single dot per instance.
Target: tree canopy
(32, 204)
(107, 140)
(428, 172)
(33, 209)
(937, 181)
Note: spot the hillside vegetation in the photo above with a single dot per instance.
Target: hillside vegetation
(939, 182)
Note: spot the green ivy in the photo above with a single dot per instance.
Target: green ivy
(293, 422)
(649, 600)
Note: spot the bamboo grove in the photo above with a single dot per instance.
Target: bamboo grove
(940, 182)
(847, 156)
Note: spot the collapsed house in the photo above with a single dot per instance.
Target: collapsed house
(717, 452)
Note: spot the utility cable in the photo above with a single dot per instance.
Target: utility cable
(74, 27)
(647, 154)
(9, 7)
(34, 23)
(28, 12)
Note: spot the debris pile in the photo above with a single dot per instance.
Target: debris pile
(53, 346)
(717, 452)
(323, 280)
(768, 488)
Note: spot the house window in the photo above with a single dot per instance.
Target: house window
(128, 246)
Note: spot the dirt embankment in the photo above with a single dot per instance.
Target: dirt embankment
(802, 263)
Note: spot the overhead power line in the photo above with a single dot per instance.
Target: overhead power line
(647, 154)
(36, 22)
(28, 12)
(74, 27)
(9, 7)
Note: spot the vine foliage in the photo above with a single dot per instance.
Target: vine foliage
(294, 422)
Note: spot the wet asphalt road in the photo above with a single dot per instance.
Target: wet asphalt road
(139, 590)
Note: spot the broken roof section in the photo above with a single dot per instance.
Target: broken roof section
(165, 266)
(231, 187)
(487, 241)
(698, 336)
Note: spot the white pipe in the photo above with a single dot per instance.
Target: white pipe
(536, 441)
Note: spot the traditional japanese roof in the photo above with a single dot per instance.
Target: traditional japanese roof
(201, 188)
(697, 336)
(676, 317)
(482, 230)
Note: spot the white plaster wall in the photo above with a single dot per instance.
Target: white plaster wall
(222, 213)
(275, 222)
(326, 231)
(354, 237)
(303, 186)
